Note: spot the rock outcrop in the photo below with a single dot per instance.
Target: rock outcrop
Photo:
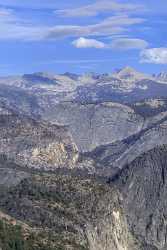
(143, 184)
(92, 125)
(35, 144)
(108, 159)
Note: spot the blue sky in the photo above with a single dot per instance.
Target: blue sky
(82, 35)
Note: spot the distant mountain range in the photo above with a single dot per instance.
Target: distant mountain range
(125, 85)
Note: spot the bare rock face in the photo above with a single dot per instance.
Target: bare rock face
(110, 231)
(108, 159)
(143, 184)
(36, 144)
(145, 141)
(92, 125)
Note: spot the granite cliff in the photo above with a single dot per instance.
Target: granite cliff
(143, 185)
(35, 144)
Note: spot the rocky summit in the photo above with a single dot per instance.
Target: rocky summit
(83, 161)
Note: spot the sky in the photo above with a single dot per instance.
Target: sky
(82, 36)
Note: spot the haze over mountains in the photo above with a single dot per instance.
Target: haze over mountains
(83, 161)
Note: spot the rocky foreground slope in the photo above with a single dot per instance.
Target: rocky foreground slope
(69, 213)
(143, 184)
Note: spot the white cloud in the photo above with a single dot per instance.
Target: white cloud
(109, 26)
(129, 43)
(99, 7)
(88, 43)
(118, 44)
(14, 27)
(154, 55)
